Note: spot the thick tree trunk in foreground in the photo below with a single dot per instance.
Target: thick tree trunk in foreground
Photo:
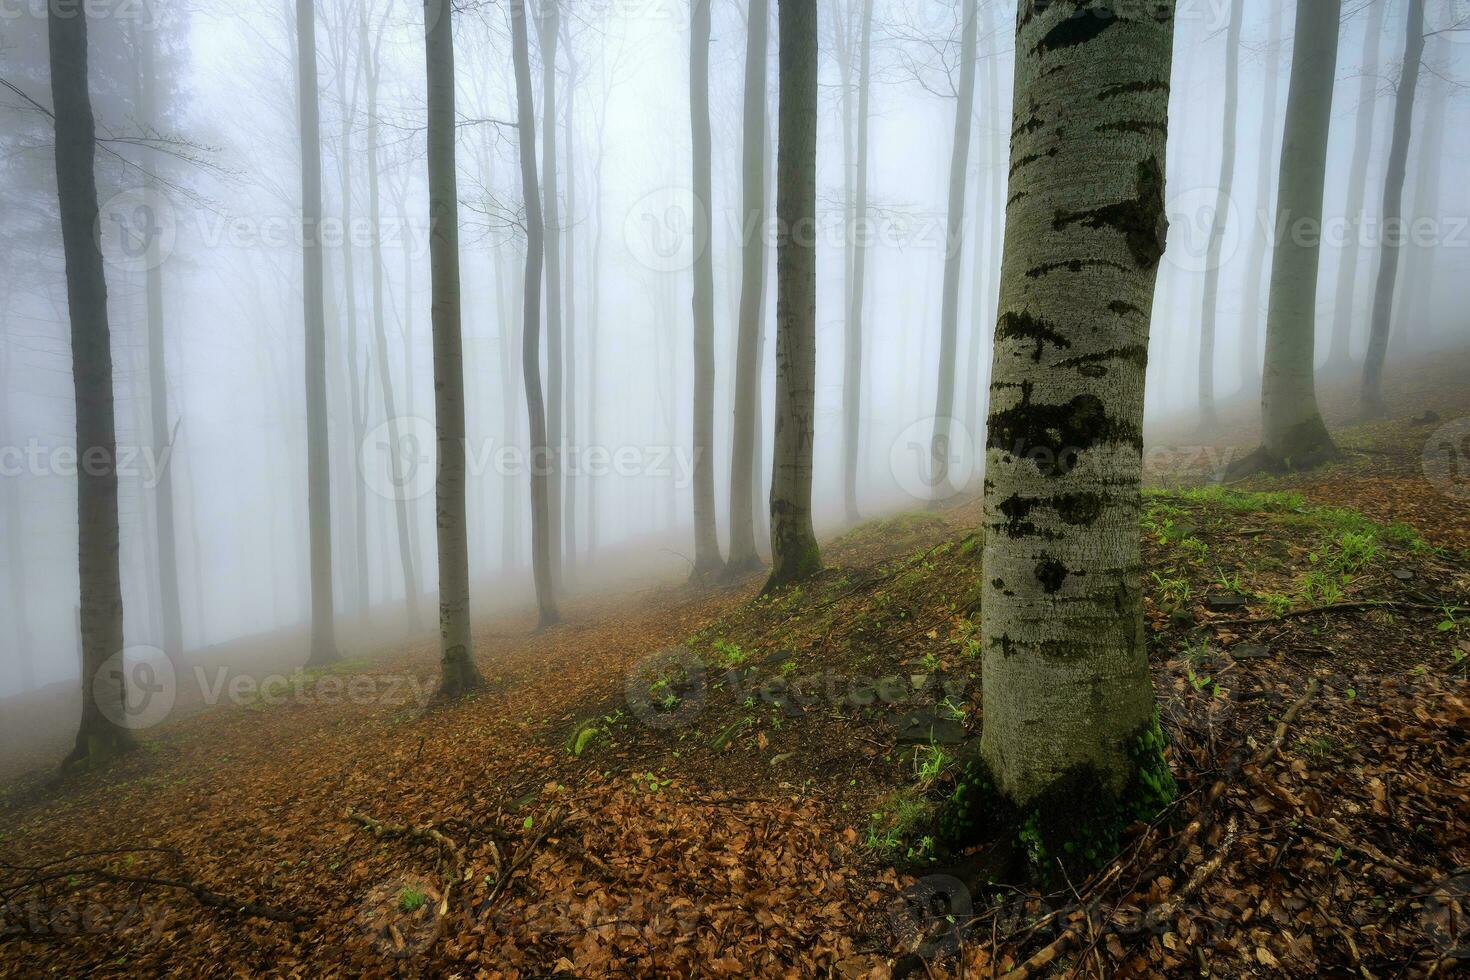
(794, 551)
(852, 370)
(104, 698)
(1339, 355)
(1293, 435)
(318, 467)
(939, 442)
(1067, 697)
(707, 560)
(456, 646)
(541, 552)
(1261, 242)
(548, 27)
(1214, 257)
(743, 461)
(1393, 212)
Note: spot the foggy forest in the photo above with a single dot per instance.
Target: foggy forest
(802, 488)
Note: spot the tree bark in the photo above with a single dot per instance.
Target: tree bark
(1293, 434)
(1261, 243)
(548, 28)
(541, 470)
(707, 559)
(573, 476)
(1067, 686)
(794, 551)
(852, 374)
(318, 467)
(1208, 416)
(101, 734)
(939, 443)
(1339, 354)
(1393, 213)
(743, 460)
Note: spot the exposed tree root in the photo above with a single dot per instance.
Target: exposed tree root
(448, 849)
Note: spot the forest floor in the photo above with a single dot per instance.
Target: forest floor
(699, 782)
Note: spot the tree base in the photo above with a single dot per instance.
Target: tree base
(737, 568)
(461, 677)
(1303, 448)
(793, 570)
(706, 572)
(98, 745)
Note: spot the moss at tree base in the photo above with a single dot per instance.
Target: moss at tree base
(1076, 825)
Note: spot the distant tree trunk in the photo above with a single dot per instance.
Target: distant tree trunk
(852, 375)
(1339, 355)
(15, 556)
(104, 703)
(509, 302)
(1393, 212)
(541, 471)
(939, 445)
(456, 646)
(794, 551)
(1414, 300)
(1293, 435)
(744, 464)
(172, 626)
(573, 474)
(548, 25)
(707, 560)
(369, 54)
(1208, 416)
(1068, 699)
(1261, 243)
(318, 469)
(988, 222)
(594, 326)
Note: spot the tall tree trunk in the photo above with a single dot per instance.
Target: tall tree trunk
(1261, 241)
(744, 464)
(15, 556)
(707, 560)
(594, 325)
(1415, 299)
(1393, 212)
(541, 470)
(411, 591)
(573, 475)
(1339, 354)
(1293, 435)
(101, 733)
(509, 302)
(852, 375)
(548, 25)
(986, 248)
(318, 468)
(794, 551)
(456, 646)
(939, 444)
(1208, 417)
(1068, 699)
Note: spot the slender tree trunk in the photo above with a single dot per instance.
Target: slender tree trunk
(1293, 434)
(318, 468)
(852, 383)
(508, 301)
(1393, 212)
(549, 19)
(1339, 355)
(707, 559)
(573, 473)
(1067, 696)
(759, 483)
(1208, 416)
(15, 556)
(794, 551)
(101, 733)
(411, 589)
(541, 470)
(594, 325)
(456, 646)
(1414, 301)
(939, 444)
(986, 249)
(1261, 242)
(744, 464)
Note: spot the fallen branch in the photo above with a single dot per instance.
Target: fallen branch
(1335, 607)
(553, 822)
(431, 835)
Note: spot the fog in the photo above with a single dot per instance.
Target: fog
(229, 252)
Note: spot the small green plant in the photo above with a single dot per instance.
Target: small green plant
(1175, 588)
(929, 764)
(410, 899)
(728, 654)
(1450, 624)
